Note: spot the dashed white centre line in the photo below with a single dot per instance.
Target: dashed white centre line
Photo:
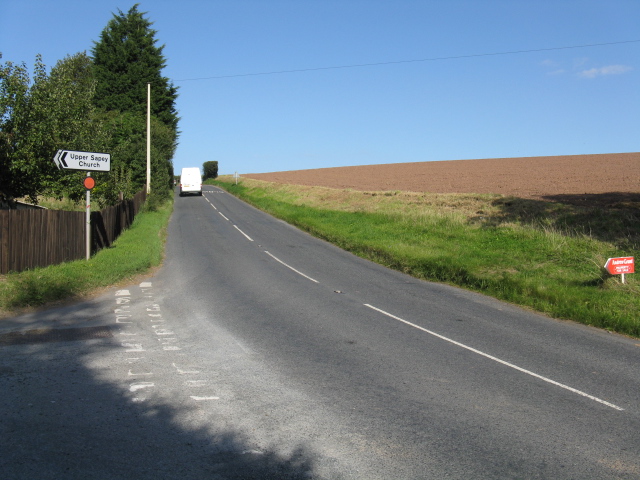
(290, 267)
(214, 207)
(495, 359)
(235, 226)
(248, 237)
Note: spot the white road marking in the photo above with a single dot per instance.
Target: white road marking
(248, 237)
(185, 372)
(290, 267)
(164, 332)
(202, 399)
(133, 347)
(145, 285)
(235, 226)
(195, 383)
(134, 387)
(495, 359)
(122, 293)
(144, 374)
(167, 340)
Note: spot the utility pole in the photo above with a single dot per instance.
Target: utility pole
(148, 137)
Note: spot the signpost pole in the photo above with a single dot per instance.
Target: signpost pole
(88, 223)
(89, 162)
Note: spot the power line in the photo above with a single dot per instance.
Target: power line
(434, 59)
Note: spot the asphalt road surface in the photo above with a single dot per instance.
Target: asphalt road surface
(257, 351)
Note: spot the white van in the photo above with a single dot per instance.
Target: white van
(190, 181)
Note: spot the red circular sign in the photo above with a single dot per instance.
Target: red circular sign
(89, 183)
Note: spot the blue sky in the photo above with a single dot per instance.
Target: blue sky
(466, 100)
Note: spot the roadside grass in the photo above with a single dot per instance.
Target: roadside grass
(137, 250)
(546, 256)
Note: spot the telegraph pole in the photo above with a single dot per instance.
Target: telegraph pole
(148, 137)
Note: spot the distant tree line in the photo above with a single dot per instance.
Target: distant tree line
(91, 103)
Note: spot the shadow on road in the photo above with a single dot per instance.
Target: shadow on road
(60, 418)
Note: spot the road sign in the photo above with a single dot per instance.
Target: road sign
(620, 265)
(87, 161)
(89, 183)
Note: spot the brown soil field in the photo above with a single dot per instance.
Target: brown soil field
(600, 179)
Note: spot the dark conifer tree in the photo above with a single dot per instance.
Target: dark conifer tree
(125, 59)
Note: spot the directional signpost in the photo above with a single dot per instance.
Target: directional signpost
(620, 266)
(88, 162)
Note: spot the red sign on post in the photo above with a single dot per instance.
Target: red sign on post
(620, 265)
(89, 183)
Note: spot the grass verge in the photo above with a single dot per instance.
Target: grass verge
(545, 256)
(137, 250)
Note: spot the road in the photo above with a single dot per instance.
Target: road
(257, 351)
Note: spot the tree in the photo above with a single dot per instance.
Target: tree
(210, 169)
(14, 89)
(127, 58)
(52, 111)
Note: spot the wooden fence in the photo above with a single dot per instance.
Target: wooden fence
(108, 223)
(38, 238)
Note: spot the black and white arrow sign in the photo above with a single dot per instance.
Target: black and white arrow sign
(87, 161)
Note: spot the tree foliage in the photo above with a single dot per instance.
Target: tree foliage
(210, 169)
(14, 89)
(94, 104)
(40, 116)
(125, 59)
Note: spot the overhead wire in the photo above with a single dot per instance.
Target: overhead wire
(432, 59)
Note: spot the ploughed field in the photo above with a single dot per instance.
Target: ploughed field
(601, 179)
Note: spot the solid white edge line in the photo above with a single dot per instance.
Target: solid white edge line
(495, 359)
(248, 237)
(290, 267)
